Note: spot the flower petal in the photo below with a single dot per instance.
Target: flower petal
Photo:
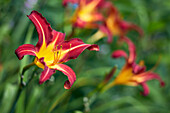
(93, 47)
(82, 3)
(129, 26)
(119, 53)
(68, 72)
(146, 76)
(109, 75)
(137, 28)
(138, 69)
(104, 4)
(145, 89)
(79, 23)
(73, 48)
(43, 28)
(46, 74)
(97, 17)
(104, 29)
(90, 6)
(26, 49)
(132, 50)
(58, 38)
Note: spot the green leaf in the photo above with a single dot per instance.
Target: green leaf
(8, 97)
(121, 101)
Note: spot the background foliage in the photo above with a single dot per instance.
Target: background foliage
(90, 67)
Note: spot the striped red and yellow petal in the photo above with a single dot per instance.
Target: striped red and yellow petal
(68, 72)
(73, 48)
(43, 28)
(125, 75)
(146, 76)
(26, 49)
(46, 74)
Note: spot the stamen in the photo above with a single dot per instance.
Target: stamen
(59, 53)
(66, 56)
(55, 51)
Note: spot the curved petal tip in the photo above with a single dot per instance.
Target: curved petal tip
(162, 84)
(145, 89)
(67, 85)
(93, 47)
(26, 49)
(119, 53)
(68, 72)
(46, 74)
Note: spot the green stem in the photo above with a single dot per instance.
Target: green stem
(106, 87)
(16, 99)
(96, 90)
(22, 85)
(91, 96)
(101, 88)
(23, 71)
(63, 22)
(71, 34)
(57, 101)
(97, 36)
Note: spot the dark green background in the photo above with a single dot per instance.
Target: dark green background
(153, 16)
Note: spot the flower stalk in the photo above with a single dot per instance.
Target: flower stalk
(72, 33)
(22, 85)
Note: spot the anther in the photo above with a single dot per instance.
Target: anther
(61, 47)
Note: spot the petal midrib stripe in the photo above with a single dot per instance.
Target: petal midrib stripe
(40, 28)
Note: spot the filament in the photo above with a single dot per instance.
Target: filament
(66, 56)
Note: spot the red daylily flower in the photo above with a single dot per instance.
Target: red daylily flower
(113, 25)
(51, 50)
(133, 74)
(87, 14)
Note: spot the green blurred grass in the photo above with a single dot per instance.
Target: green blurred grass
(90, 67)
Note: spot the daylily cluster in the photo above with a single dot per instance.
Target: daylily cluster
(132, 74)
(102, 15)
(52, 51)
(105, 17)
